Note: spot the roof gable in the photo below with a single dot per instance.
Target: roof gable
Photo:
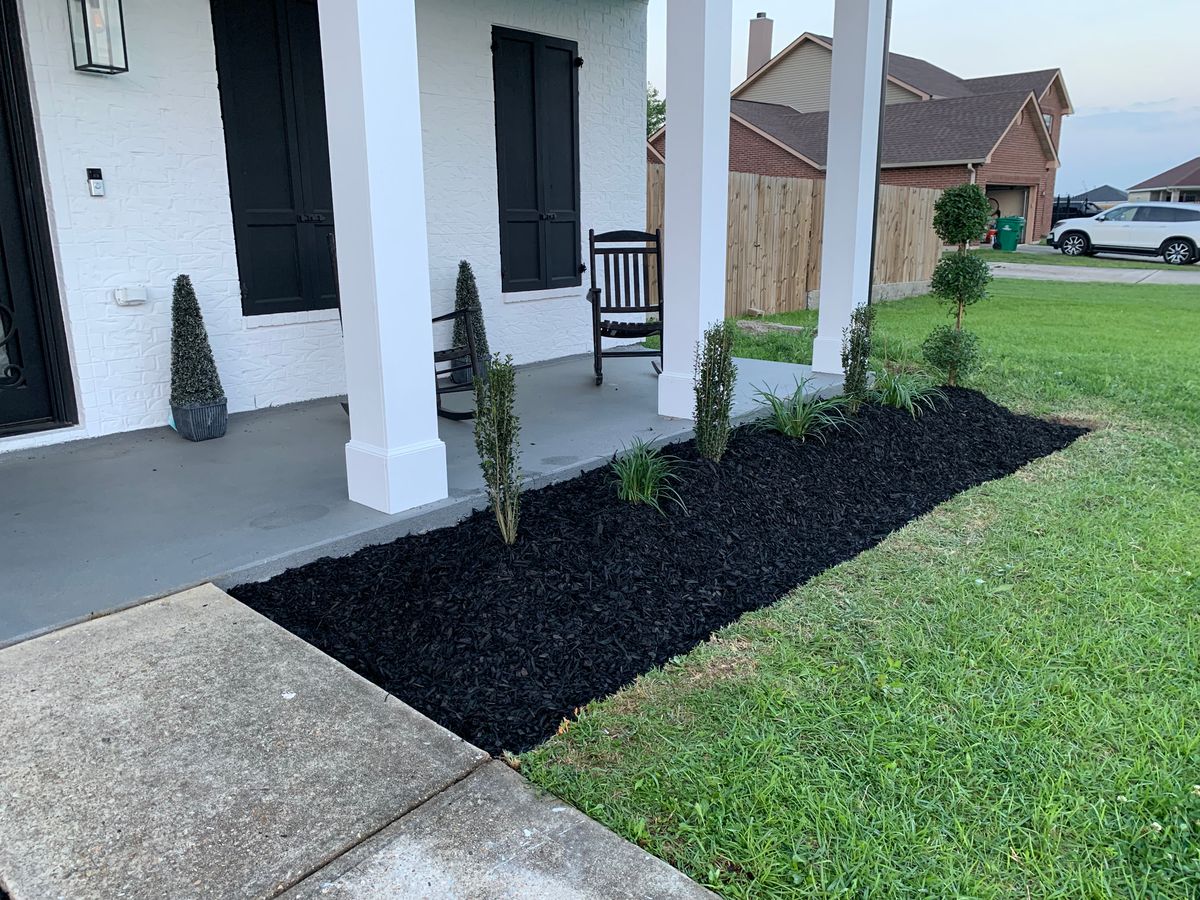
(957, 130)
(825, 42)
(1184, 175)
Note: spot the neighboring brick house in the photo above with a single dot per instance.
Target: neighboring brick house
(1179, 185)
(1001, 132)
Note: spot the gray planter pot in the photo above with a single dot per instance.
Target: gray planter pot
(202, 422)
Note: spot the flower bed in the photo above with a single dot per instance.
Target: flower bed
(499, 643)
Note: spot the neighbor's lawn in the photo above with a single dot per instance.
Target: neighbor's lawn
(1057, 259)
(1001, 700)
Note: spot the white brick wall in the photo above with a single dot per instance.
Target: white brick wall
(458, 117)
(156, 132)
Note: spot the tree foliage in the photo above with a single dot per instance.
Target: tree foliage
(194, 378)
(961, 280)
(961, 214)
(656, 110)
(951, 351)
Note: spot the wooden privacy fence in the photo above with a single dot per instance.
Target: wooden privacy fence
(774, 241)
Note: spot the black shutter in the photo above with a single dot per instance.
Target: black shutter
(273, 107)
(537, 159)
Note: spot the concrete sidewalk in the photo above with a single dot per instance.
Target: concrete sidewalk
(190, 748)
(1038, 272)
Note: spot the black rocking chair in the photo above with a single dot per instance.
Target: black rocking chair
(632, 264)
(457, 359)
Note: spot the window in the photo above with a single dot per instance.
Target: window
(1189, 198)
(1049, 120)
(1153, 214)
(1122, 213)
(537, 159)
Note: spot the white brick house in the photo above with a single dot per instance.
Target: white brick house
(408, 121)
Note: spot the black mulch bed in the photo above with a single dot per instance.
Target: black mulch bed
(500, 644)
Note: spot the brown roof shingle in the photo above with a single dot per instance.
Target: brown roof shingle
(1184, 175)
(1030, 82)
(959, 129)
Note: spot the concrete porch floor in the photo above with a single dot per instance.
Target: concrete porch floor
(93, 526)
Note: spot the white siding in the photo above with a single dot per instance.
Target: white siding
(157, 134)
(801, 80)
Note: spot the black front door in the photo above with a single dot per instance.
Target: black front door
(32, 355)
(276, 143)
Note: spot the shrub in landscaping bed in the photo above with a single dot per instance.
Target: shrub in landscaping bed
(500, 643)
(715, 376)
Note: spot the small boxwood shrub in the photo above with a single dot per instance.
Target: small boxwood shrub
(497, 430)
(715, 376)
(856, 356)
(952, 351)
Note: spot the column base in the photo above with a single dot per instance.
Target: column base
(827, 356)
(396, 479)
(676, 395)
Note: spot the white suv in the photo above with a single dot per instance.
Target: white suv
(1169, 230)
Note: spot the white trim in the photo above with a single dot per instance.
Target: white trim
(649, 146)
(304, 317)
(576, 293)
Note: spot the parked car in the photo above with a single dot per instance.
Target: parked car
(1071, 208)
(1169, 230)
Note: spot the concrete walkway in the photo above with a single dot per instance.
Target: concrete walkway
(190, 748)
(92, 526)
(1038, 272)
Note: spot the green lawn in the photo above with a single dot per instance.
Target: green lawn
(1057, 259)
(1001, 700)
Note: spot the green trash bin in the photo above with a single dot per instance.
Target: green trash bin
(1009, 231)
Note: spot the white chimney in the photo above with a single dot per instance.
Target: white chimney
(759, 51)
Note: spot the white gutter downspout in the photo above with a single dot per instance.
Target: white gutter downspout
(971, 169)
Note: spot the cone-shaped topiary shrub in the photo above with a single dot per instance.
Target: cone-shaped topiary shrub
(960, 216)
(466, 296)
(194, 378)
(197, 399)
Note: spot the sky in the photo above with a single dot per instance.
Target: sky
(1134, 85)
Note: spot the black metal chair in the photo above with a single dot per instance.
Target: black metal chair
(445, 362)
(630, 265)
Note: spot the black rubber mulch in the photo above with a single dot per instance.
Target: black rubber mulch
(500, 644)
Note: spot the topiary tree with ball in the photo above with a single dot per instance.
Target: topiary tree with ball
(960, 216)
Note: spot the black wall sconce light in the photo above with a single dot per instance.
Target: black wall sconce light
(98, 36)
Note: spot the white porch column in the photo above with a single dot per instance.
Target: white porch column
(860, 38)
(696, 205)
(394, 460)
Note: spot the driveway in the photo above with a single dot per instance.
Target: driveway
(1184, 275)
